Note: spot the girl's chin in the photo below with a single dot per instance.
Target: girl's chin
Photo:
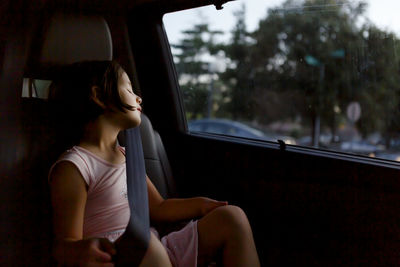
(133, 123)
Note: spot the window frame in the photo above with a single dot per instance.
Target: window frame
(277, 146)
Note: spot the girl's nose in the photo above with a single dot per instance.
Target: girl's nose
(139, 100)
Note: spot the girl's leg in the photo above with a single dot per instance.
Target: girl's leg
(225, 234)
(156, 255)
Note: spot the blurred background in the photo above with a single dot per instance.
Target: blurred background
(315, 73)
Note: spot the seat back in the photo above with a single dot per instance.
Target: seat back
(27, 141)
(157, 164)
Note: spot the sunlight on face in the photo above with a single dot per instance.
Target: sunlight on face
(131, 117)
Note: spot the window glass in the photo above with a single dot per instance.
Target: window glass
(317, 73)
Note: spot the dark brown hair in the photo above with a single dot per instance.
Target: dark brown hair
(71, 95)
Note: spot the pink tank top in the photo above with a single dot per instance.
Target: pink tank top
(107, 209)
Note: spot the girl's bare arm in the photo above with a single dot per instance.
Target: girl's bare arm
(68, 197)
(172, 210)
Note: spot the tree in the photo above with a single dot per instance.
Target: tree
(303, 56)
(193, 67)
(379, 83)
(238, 75)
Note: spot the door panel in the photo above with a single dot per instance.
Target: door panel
(304, 210)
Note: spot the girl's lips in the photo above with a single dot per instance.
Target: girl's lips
(139, 108)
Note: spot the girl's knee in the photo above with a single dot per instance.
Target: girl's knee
(233, 217)
(232, 212)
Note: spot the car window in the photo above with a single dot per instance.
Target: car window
(321, 74)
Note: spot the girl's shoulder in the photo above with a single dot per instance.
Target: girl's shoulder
(77, 158)
(87, 162)
(70, 153)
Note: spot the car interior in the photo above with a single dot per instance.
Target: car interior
(306, 207)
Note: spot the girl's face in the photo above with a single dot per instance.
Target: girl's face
(131, 117)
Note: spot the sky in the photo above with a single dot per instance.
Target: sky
(383, 13)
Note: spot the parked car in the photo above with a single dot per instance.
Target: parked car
(226, 127)
(360, 147)
(234, 128)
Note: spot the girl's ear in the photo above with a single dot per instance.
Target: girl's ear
(95, 97)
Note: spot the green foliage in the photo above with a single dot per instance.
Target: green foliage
(195, 100)
(238, 75)
(298, 34)
(380, 82)
(197, 43)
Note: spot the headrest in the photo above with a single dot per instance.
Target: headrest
(72, 38)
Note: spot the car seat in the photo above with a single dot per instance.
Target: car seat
(36, 146)
(157, 165)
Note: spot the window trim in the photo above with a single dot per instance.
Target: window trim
(173, 76)
(309, 151)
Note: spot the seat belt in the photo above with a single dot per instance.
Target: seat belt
(132, 245)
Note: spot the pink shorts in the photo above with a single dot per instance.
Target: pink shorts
(182, 246)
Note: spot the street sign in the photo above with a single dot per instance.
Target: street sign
(354, 111)
(312, 60)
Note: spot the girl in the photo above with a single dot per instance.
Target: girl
(88, 183)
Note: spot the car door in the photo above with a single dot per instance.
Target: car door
(307, 205)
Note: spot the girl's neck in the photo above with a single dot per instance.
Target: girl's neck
(100, 135)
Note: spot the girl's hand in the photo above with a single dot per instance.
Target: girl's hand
(208, 204)
(93, 252)
(96, 252)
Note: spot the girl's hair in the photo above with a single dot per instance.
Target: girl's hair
(71, 96)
